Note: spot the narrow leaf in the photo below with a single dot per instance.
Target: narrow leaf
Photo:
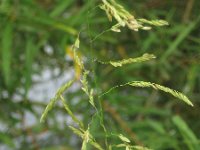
(180, 38)
(30, 53)
(189, 137)
(6, 53)
(60, 7)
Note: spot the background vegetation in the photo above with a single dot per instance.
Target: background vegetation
(36, 36)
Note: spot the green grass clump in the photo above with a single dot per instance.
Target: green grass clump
(124, 18)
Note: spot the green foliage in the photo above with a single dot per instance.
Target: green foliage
(189, 137)
(85, 135)
(36, 40)
(30, 54)
(179, 39)
(6, 53)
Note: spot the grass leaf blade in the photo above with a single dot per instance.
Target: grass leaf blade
(6, 53)
(189, 137)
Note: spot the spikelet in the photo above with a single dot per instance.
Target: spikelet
(120, 63)
(70, 112)
(86, 89)
(87, 138)
(84, 81)
(124, 18)
(144, 57)
(143, 84)
(154, 22)
(77, 60)
(47, 109)
(126, 143)
(140, 148)
(123, 138)
(70, 53)
(55, 99)
(76, 131)
(162, 88)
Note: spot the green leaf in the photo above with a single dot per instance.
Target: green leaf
(7, 53)
(6, 139)
(188, 135)
(31, 51)
(157, 126)
(60, 7)
(180, 38)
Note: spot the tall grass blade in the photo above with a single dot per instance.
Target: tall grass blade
(189, 137)
(61, 7)
(183, 34)
(6, 53)
(31, 51)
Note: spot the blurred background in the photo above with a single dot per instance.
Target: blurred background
(36, 59)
